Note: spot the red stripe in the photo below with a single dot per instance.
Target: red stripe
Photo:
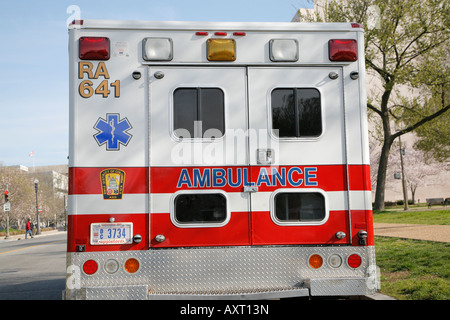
(165, 179)
(359, 177)
(87, 180)
(325, 177)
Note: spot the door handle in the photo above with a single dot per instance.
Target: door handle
(250, 189)
(265, 156)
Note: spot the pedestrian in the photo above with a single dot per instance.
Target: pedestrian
(29, 229)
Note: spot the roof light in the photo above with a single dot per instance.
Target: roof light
(77, 22)
(221, 49)
(157, 49)
(239, 34)
(94, 48)
(283, 50)
(356, 25)
(342, 50)
(220, 33)
(201, 33)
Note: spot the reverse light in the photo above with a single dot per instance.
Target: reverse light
(335, 261)
(283, 50)
(94, 48)
(315, 261)
(157, 49)
(354, 261)
(221, 49)
(90, 267)
(132, 265)
(111, 266)
(342, 50)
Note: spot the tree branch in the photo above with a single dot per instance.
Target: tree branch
(421, 122)
(371, 107)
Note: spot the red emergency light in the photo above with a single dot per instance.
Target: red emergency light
(342, 50)
(94, 48)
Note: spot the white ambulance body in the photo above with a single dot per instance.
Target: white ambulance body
(223, 160)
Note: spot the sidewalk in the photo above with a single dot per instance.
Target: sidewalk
(22, 236)
(440, 233)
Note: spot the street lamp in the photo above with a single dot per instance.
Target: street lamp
(36, 183)
(404, 187)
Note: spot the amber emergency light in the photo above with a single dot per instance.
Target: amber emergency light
(221, 49)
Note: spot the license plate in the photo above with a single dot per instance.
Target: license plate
(111, 233)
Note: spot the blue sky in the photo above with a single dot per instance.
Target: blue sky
(34, 61)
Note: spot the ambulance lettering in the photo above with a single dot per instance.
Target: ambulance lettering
(86, 87)
(220, 177)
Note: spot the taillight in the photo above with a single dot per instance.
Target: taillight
(132, 265)
(94, 48)
(354, 261)
(90, 267)
(315, 261)
(342, 50)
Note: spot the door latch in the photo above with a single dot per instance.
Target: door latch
(250, 189)
(265, 156)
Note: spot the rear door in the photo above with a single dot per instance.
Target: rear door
(198, 150)
(298, 159)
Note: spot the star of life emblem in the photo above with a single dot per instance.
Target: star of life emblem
(112, 131)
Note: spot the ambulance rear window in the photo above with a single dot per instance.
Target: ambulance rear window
(299, 207)
(200, 208)
(198, 113)
(296, 112)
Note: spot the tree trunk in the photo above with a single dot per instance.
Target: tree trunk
(381, 177)
(387, 143)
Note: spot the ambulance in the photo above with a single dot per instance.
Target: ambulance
(218, 160)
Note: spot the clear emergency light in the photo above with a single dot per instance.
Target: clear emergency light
(94, 48)
(157, 49)
(342, 50)
(283, 50)
(221, 49)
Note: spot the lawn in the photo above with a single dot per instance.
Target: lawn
(414, 269)
(440, 217)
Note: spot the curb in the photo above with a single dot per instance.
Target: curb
(19, 237)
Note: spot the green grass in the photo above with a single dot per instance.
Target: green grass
(413, 269)
(435, 217)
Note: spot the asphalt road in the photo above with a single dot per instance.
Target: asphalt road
(33, 269)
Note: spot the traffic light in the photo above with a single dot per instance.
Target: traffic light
(6, 196)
